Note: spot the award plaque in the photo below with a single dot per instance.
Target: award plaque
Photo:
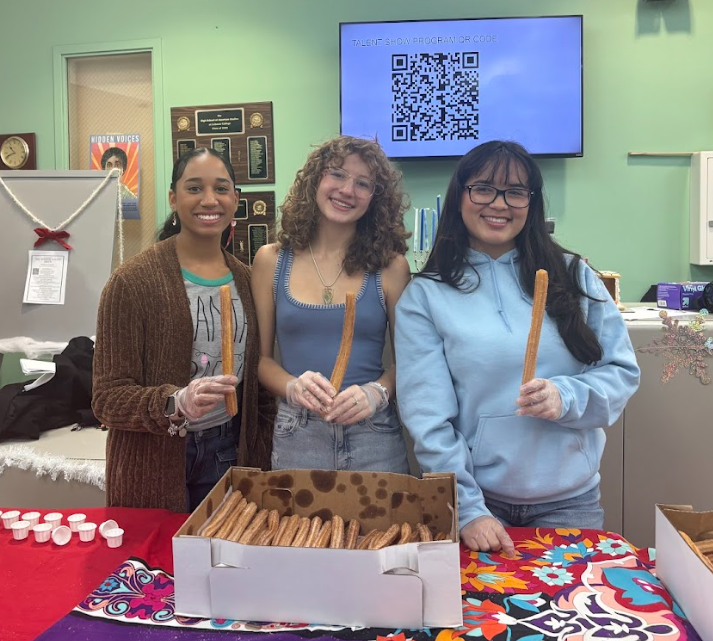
(242, 132)
(222, 146)
(220, 121)
(183, 146)
(257, 237)
(242, 213)
(254, 224)
(257, 158)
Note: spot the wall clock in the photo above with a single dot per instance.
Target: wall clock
(18, 151)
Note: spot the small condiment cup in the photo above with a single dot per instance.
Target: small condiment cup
(107, 525)
(8, 518)
(114, 537)
(61, 535)
(87, 531)
(42, 532)
(54, 519)
(75, 519)
(20, 530)
(32, 517)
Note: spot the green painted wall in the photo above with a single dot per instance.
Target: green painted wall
(648, 87)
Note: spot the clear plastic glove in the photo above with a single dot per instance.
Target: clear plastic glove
(201, 395)
(310, 390)
(487, 533)
(540, 398)
(357, 403)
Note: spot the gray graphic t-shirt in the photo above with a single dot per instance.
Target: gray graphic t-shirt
(204, 298)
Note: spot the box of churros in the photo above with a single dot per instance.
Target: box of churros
(323, 547)
(684, 561)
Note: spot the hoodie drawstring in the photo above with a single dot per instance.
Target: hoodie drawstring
(498, 299)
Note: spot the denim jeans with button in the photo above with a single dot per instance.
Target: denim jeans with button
(304, 440)
(582, 512)
(209, 454)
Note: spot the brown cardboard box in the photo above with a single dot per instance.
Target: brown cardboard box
(684, 573)
(403, 586)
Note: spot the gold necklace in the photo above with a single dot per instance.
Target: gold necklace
(327, 292)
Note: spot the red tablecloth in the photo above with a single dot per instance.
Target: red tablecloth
(562, 585)
(41, 582)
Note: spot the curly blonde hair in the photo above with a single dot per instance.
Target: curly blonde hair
(380, 233)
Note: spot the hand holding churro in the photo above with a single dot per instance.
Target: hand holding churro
(354, 404)
(201, 395)
(540, 398)
(310, 390)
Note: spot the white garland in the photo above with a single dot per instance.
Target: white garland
(53, 465)
(114, 173)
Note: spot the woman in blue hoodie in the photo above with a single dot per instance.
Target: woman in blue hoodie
(524, 455)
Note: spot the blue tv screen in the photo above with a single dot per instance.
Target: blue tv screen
(438, 88)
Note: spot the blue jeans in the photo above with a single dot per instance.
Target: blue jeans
(582, 512)
(209, 454)
(303, 440)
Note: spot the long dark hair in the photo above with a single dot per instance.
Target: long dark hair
(536, 248)
(169, 228)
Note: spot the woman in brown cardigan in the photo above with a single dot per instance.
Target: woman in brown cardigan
(158, 385)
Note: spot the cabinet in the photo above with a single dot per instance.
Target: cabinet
(667, 442)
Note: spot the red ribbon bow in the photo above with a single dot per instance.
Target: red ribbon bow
(51, 234)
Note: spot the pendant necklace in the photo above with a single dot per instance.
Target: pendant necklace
(327, 291)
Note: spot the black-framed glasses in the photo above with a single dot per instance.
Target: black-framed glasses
(516, 197)
(362, 186)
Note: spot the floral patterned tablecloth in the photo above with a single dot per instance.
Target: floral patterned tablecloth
(562, 584)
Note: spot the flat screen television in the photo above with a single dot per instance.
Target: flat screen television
(437, 88)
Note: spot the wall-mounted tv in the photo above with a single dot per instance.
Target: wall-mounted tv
(439, 87)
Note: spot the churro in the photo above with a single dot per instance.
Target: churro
(337, 540)
(221, 514)
(302, 532)
(538, 314)
(314, 530)
(226, 334)
(345, 346)
(352, 535)
(254, 528)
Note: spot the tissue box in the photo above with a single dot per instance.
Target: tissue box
(679, 295)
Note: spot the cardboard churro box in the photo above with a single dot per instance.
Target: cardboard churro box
(687, 576)
(410, 586)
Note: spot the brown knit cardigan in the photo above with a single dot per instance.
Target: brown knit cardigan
(142, 356)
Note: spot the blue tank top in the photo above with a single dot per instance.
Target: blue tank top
(309, 335)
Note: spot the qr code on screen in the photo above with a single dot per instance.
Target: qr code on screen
(434, 96)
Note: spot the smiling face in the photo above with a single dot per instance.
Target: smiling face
(345, 201)
(204, 199)
(492, 228)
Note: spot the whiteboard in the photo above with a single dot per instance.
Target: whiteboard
(52, 196)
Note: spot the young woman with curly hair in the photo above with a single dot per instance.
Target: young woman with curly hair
(341, 231)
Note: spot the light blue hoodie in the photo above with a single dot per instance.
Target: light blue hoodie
(460, 358)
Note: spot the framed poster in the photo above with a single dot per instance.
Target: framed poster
(119, 151)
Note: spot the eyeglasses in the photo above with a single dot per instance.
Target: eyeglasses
(363, 187)
(486, 194)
